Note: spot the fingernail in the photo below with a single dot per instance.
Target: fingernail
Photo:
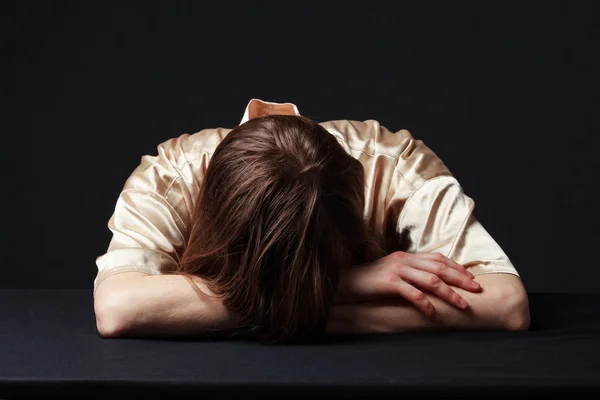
(463, 303)
(475, 284)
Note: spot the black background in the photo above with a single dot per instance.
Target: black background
(506, 93)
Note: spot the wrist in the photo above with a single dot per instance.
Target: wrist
(339, 321)
(344, 293)
(353, 319)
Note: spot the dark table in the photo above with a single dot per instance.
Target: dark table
(49, 346)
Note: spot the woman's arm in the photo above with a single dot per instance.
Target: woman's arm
(500, 304)
(134, 304)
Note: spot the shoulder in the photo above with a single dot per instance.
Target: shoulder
(176, 171)
(187, 148)
(413, 161)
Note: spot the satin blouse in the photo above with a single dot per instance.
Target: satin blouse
(408, 190)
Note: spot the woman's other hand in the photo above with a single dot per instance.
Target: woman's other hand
(407, 275)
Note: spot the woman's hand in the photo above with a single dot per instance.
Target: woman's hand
(407, 275)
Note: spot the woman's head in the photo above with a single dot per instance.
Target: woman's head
(280, 212)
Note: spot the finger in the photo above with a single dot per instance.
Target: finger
(447, 274)
(446, 260)
(434, 284)
(416, 297)
(436, 256)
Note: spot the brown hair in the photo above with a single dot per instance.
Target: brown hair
(279, 213)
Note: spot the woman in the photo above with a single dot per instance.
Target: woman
(295, 228)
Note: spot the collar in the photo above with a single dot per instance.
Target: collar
(260, 108)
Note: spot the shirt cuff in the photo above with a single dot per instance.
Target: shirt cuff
(490, 267)
(118, 270)
(148, 261)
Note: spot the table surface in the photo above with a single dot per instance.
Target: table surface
(49, 342)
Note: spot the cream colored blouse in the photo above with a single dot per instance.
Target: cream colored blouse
(406, 186)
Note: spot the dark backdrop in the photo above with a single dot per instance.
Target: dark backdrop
(506, 93)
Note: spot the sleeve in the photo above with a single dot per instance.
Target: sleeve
(148, 231)
(440, 218)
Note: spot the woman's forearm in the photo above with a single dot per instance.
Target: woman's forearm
(165, 306)
(169, 305)
(501, 304)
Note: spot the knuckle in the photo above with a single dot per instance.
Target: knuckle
(398, 255)
(391, 277)
(430, 309)
(439, 256)
(440, 268)
(418, 296)
(434, 280)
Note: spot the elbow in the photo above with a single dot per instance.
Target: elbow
(107, 326)
(109, 317)
(516, 316)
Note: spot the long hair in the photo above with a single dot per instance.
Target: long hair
(279, 214)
